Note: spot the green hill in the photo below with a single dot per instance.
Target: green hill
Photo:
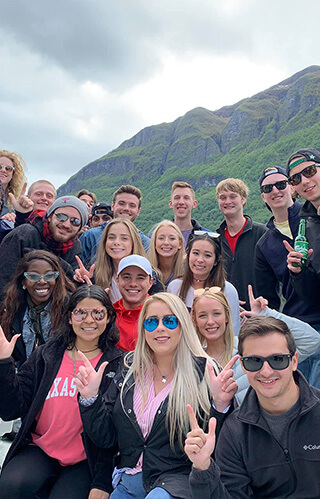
(202, 147)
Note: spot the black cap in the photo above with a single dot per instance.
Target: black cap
(304, 155)
(99, 208)
(271, 170)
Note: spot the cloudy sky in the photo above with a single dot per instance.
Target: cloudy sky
(81, 76)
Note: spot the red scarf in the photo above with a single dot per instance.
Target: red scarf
(53, 245)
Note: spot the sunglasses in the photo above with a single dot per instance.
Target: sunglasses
(62, 217)
(277, 362)
(280, 185)
(169, 321)
(7, 168)
(80, 314)
(201, 291)
(35, 277)
(307, 172)
(212, 235)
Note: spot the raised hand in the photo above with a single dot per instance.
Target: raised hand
(256, 304)
(81, 273)
(23, 204)
(88, 379)
(7, 347)
(294, 257)
(223, 386)
(200, 445)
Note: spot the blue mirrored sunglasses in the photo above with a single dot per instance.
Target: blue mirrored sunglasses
(169, 321)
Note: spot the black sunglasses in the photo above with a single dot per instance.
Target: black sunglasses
(280, 185)
(308, 172)
(278, 362)
(62, 217)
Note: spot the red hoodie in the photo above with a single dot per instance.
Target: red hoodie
(127, 323)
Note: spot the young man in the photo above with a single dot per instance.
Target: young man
(54, 231)
(134, 279)
(239, 235)
(126, 203)
(182, 202)
(303, 168)
(269, 447)
(101, 213)
(43, 194)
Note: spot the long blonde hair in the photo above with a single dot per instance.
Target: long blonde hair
(105, 268)
(228, 336)
(189, 386)
(178, 263)
(18, 177)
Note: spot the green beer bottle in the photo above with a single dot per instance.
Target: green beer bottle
(301, 244)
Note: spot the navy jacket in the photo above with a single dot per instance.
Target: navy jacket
(272, 276)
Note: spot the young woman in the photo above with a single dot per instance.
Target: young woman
(120, 238)
(166, 251)
(51, 456)
(34, 302)
(145, 411)
(205, 269)
(12, 175)
(211, 317)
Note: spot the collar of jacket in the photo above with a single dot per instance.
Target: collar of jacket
(308, 210)
(247, 227)
(249, 410)
(293, 213)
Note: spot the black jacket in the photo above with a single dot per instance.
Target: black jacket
(252, 462)
(106, 421)
(307, 282)
(270, 269)
(23, 395)
(239, 266)
(27, 238)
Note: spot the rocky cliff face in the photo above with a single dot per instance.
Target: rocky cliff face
(203, 137)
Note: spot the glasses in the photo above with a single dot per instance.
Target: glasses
(280, 185)
(62, 217)
(80, 314)
(35, 277)
(169, 321)
(277, 362)
(308, 172)
(201, 291)
(7, 168)
(213, 235)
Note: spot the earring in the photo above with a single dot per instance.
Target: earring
(23, 286)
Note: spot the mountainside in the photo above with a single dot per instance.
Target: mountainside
(202, 147)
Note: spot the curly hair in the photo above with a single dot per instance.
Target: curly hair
(17, 296)
(18, 177)
(110, 335)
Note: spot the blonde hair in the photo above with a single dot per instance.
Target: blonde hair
(179, 259)
(189, 386)
(105, 268)
(182, 185)
(228, 336)
(234, 185)
(18, 177)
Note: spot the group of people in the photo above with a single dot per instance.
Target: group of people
(160, 366)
